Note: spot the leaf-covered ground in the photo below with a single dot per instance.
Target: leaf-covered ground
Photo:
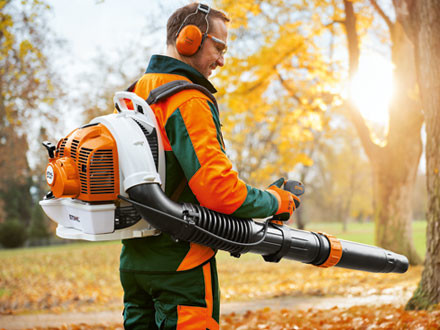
(79, 277)
(84, 278)
(356, 317)
(251, 278)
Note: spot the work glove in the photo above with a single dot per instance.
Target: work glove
(287, 202)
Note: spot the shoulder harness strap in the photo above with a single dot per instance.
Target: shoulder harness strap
(167, 90)
(163, 92)
(174, 87)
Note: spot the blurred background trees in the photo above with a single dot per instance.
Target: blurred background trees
(296, 71)
(394, 173)
(37, 102)
(29, 88)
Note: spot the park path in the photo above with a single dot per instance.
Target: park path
(14, 322)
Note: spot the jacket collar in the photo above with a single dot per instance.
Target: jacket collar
(166, 64)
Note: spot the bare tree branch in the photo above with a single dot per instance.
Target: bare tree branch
(352, 38)
(334, 22)
(403, 10)
(383, 15)
(352, 112)
(371, 148)
(287, 87)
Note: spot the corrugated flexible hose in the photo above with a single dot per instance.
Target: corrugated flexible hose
(194, 223)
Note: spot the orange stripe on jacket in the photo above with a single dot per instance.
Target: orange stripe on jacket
(215, 185)
(195, 255)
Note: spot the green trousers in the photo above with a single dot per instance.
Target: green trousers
(178, 300)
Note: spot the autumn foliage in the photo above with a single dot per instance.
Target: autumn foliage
(356, 317)
(60, 279)
(85, 277)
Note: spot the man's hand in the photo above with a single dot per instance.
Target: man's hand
(287, 202)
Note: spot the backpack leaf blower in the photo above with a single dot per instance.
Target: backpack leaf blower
(107, 180)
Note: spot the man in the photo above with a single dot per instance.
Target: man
(174, 285)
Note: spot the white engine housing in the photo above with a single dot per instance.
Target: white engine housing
(96, 221)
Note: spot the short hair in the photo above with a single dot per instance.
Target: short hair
(176, 19)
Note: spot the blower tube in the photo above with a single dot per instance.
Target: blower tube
(194, 223)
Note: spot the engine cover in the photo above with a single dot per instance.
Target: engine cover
(85, 165)
(99, 161)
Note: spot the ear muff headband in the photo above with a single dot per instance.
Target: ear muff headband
(190, 38)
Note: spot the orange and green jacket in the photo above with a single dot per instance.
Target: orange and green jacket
(194, 151)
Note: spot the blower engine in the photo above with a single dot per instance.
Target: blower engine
(107, 180)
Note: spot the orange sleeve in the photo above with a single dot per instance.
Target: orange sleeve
(193, 130)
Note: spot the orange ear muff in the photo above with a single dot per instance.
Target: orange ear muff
(189, 40)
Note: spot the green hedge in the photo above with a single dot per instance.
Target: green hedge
(13, 234)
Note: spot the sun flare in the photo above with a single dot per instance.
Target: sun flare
(372, 88)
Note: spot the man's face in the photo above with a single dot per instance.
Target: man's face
(211, 55)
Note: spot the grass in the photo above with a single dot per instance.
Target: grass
(357, 232)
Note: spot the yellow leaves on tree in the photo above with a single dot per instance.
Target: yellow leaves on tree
(27, 75)
(26, 48)
(274, 89)
(239, 11)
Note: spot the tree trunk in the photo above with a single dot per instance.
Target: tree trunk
(422, 22)
(395, 164)
(300, 222)
(393, 210)
(395, 169)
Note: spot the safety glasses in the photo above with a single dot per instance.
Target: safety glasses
(221, 45)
